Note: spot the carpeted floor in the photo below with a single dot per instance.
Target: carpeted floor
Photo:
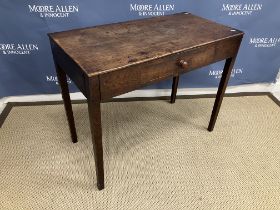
(157, 156)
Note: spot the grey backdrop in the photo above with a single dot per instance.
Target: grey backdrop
(26, 65)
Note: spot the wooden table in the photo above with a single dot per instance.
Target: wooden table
(109, 60)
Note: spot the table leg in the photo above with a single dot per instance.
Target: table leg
(96, 132)
(174, 89)
(61, 76)
(221, 91)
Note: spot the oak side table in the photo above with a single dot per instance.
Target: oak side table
(109, 60)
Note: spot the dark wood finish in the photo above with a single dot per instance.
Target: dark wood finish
(70, 67)
(209, 53)
(174, 89)
(61, 76)
(135, 77)
(109, 60)
(142, 74)
(114, 46)
(96, 129)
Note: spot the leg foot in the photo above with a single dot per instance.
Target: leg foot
(96, 131)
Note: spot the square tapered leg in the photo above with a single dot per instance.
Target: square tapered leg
(94, 108)
(221, 91)
(67, 102)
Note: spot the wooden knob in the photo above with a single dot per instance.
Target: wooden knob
(183, 64)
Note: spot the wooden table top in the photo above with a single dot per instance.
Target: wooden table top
(105, 48)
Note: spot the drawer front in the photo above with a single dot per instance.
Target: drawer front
(207, 54)
(134, 77)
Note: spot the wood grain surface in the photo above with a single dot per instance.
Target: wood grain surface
(110, 47)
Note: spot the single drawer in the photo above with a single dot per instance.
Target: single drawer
(204, 55)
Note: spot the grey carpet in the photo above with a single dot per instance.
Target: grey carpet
(156, 155)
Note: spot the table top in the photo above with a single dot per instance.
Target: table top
(106, 48)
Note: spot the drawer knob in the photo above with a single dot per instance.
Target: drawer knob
(183, 64)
